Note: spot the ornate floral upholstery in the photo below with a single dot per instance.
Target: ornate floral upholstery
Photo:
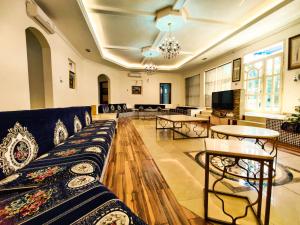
(51, 164)
(78, 200)
(142, 107)
(27, 134)
(112, 108)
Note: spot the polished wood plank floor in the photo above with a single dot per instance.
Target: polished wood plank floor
(135, 178)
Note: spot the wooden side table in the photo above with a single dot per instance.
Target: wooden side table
(233, 152)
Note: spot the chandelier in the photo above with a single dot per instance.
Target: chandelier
(150, 68)
(170, 46)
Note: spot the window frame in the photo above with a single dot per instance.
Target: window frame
(263, 87)
(215, 68)
(72, 74)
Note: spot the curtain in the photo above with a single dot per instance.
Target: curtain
(217, 79)
(192, 90)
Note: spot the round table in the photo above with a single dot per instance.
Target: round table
(245, 131)
(260, 135)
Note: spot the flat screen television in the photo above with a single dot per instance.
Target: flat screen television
(222, 100)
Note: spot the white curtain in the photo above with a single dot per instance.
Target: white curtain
(217, 79)
(192, 90)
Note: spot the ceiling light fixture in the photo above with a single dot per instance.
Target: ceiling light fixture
(170, 47)
(150, 67)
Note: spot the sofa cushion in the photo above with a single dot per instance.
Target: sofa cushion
(78, 200)
(33, 177)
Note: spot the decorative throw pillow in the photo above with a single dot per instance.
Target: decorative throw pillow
(77, 124)
(17, 149)
(112, 108)
(105, 109)
(60, 133)
(87, 119)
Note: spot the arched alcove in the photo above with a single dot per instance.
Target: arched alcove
(39, 69)
(103, 89)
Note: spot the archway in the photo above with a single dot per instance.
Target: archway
(103, 89)
(39, 69)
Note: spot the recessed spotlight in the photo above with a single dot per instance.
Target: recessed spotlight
(88, 50)
(204, 59)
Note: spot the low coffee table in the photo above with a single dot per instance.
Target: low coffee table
(186, 126)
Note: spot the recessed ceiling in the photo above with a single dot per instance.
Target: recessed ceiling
(122, 28)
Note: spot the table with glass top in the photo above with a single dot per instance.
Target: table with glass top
(186, 127)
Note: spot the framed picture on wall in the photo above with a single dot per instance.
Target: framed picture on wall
(236, 70)
(136, 90)
(294, 53)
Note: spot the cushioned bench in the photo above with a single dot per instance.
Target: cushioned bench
(121, 109)
(149, 110)
(51, 166)
(149, 106)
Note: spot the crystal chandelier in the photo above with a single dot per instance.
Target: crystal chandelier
(150, 67)
(170, 46)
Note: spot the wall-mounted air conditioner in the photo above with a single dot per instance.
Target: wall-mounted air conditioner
(135, 75)
(35, 12)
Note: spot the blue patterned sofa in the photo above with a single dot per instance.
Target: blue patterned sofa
(143, 107)
(120, 108)
(149, 110)
(52, 162)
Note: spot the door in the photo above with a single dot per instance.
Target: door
(103, 92)
(165, 93)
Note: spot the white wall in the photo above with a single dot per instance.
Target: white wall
(291, 89)
(35, 71)
(14, 85)
(121, 85)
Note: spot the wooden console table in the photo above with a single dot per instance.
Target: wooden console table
(234, 153)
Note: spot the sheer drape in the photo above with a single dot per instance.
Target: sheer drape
(217, 79)
(192, 90)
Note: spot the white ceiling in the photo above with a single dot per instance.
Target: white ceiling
(121, 28)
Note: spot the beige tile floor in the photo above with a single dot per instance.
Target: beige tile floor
(186, 178)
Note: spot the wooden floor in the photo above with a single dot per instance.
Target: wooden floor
(134, 177)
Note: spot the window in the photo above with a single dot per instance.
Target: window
(165, 93)
(217, 79)
(263, 78)
(72, 74)
(192, 90)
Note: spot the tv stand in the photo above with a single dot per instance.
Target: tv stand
(220, 114)
(225, 120)
(236, 112)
